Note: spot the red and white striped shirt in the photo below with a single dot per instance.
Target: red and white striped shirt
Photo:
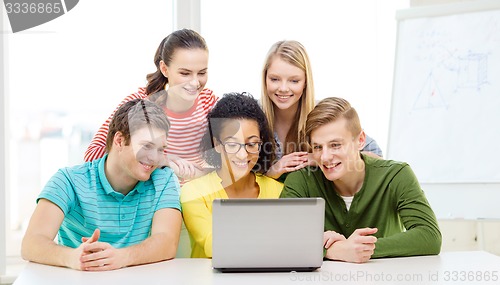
(185, 133)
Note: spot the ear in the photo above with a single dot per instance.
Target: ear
(164, 68)
(217, 146)
(361, 140)
(118, 141)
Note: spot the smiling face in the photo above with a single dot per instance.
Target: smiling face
(336, 149)
(143, 154)
(285, 84)
(186, 73)
(240, 131)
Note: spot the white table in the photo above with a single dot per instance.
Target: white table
(470, 267)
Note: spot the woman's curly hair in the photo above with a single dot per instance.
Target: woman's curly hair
(234, 106)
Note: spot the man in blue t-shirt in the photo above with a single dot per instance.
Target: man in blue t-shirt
(116, 211)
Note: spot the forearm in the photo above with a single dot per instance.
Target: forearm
(345, 250)
(197, 218)
(158, 247)
(40, 249)
(208, 245)
(421, 240)
(422, 235)
(201, 232)
(203, 171)
(332, 252)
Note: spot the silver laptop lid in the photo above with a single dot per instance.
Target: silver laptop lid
(268, 234)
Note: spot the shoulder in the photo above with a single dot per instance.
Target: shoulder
(209, 177)
(383, 164)
(140, 94)
(164, 178)
(70, 182)
(78, 171)
(207, 97)
(268, 182)
(395, 172)
(163, 174)
(305, 174)
(207, 94)
(372, 146)
(200, 187)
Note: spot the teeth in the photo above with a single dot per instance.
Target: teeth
(149, 167)
(241, 164)
(283, 97)
(332, 165)
(194, 91)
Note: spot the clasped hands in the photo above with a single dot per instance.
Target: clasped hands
(358, 248)
(93, 255)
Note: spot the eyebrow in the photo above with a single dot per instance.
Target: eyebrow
(291, 76)
(250, 137)
(185, 69)
(149, 141)
(330, 141)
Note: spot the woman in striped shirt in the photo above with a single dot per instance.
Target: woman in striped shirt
(178, 86)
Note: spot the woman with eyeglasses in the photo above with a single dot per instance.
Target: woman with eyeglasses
(239, 145)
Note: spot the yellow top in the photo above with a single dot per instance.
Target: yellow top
(196, 198)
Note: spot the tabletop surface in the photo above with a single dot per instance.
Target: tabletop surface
(467, 267)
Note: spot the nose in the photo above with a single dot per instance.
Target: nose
(283, 87)
(153, 156)
(325, 154)
(242, 153)
(195, 81)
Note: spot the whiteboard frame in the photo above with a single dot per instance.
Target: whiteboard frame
(437, 10)
(447, 9)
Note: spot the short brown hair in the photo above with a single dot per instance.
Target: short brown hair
(329, 110)
(134, 115)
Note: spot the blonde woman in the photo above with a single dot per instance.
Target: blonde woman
(287, 98)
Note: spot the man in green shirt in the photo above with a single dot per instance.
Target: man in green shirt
(374, 207)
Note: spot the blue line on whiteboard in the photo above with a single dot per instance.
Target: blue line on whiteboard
(471, 72)
(430, 95)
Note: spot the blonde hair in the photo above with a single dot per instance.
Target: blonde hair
(329, 110)
(295, 54)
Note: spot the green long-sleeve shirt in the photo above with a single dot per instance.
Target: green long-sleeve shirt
(390, 199)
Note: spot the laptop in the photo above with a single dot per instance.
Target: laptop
(267, 234)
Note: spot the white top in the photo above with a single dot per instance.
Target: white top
(348, 201)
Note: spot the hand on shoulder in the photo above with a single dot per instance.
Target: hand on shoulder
(288, 163)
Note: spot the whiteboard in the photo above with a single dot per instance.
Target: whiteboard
(445, 108)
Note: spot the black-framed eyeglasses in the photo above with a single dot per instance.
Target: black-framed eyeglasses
(234, 147)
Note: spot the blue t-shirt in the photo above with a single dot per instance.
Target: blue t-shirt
(88, 202)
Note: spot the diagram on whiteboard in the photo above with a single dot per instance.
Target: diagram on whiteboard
(430, 95)
(446, 94)
(470, 72)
